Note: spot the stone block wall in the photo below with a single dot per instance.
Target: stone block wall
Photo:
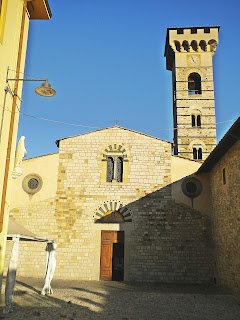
(171, 242)
(226, 219)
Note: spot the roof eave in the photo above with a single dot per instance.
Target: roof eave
(230, 138)
(147, 135)
(39, 10)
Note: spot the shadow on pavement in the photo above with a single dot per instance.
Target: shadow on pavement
(124, 301)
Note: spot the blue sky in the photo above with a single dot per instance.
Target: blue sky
(106, 61)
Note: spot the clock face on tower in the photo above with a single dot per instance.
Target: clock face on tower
(193, 60)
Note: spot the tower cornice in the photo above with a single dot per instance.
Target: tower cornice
(189, 40)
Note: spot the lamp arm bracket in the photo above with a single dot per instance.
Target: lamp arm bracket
(27, 80)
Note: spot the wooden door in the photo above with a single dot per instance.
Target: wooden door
(108, 238)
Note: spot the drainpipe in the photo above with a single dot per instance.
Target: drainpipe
(15, 96)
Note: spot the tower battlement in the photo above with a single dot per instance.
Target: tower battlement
(190, 39)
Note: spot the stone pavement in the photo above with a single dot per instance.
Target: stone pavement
(121, 301)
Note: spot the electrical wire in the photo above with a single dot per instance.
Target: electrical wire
(186, 126)
(92, 127)
(55, 121)
(84, 126)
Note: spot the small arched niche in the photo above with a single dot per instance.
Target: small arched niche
(194, 45)
(186, 46)
(213, 44)
(203, 45)
(177, 45)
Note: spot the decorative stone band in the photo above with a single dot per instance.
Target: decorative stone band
(110, 207)
(115, 150)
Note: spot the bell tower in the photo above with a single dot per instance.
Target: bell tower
(189, 53)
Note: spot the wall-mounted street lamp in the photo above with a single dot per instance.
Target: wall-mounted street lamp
(45, 90)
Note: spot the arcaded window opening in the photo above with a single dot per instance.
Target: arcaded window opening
(197, 153)
(213, 44)
(203, 45)
(194, 45)
(115, 164)
(193, 120)
(200, 154)
(119, 169)
(114, 169)
(194, 153)
(177, 46)
(185, 45)
(194, 84)
(198, 120)
(110, 169)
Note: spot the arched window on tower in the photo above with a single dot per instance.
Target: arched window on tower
(194, 153)
(194, 83)
(197, 153)
(198, 120)
(110, 169)
(119, 169)
(193, 120)
(200, 154)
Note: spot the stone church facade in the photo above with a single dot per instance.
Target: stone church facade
(121, 206)
(142, 208)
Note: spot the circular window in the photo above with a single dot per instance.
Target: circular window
(32, 183)
(191, 187)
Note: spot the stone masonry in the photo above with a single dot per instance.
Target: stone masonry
(226, 219)
(164, 240)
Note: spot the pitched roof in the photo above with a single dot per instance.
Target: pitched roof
(230, 138)
(115, 126)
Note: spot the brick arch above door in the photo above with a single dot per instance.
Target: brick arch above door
(112, 206)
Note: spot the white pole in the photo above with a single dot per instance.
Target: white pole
(50, 268)
(11, 276)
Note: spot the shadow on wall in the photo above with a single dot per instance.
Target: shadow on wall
(170, 242)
